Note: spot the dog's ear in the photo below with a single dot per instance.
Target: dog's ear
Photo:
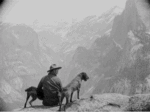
(85, 76)
(82, 75)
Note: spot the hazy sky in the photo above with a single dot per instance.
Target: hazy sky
(47, 11)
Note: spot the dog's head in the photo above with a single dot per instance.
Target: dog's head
(84, 76)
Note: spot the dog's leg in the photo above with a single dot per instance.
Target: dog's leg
(33, 99)
(66, 103)
(60, 101)
(28, 96)
(62, 98)
(71, 97)
(78, 91)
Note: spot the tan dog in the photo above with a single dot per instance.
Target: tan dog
(73, 86)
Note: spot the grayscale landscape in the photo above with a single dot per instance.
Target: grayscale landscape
(111, 45)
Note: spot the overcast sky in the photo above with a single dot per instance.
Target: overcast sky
(48, 11)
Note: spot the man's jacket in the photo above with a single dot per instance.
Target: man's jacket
(50, 84)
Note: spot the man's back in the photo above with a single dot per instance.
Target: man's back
(50, 84)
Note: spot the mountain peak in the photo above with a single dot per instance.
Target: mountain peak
(115, 9)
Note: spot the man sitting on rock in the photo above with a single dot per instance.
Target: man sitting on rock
(50, 85)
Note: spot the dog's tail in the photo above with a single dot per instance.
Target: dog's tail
(30, 89)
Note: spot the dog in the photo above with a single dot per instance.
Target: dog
(31, 91)
(73, 86)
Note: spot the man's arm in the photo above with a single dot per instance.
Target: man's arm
(58, 83)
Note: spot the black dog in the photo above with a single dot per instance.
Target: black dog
(32, 91)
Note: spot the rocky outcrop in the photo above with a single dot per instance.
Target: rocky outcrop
(103, 103)
(139, 102)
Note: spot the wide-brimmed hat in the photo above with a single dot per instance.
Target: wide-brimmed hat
(53, 67)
